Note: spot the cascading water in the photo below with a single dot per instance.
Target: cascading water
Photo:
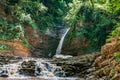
(31, 67)
(63, 34)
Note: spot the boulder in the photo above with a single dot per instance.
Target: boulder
(76, 66)
(28, 68)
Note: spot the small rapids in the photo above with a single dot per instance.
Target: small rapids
(17, 68)
(32, 67)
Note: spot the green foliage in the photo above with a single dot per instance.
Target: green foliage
(41, 14)
(9, 31)
(90, 21)
(94, 26)
(115, 32)
(26, 43)
(114, 6)
(117, 55)
(55, 13)
(112, 72)
(114, 9)
(72, 14)
(4, 47)
(101, 1)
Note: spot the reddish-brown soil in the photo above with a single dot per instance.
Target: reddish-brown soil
(18, 48)
(33, 36)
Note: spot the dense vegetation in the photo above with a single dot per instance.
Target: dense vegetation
(93, 21)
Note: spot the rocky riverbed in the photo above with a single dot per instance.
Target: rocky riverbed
(102, 65)
(73, 68)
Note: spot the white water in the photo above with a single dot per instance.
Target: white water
(47, 69)
(64, 33)
(61, 56)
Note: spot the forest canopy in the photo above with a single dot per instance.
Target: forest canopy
(93, 21)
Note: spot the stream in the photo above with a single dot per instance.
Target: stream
(28, 67)
(32, 67)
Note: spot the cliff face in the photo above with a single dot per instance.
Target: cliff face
(107, 64)
(77, 46)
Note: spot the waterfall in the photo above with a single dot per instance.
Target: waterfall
(63, 34)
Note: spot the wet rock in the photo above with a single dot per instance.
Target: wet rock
(3, 73)
(38, 70)
(76, 66)
(5, 59)
(28, 68)
(59, 72)
(47, 66)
